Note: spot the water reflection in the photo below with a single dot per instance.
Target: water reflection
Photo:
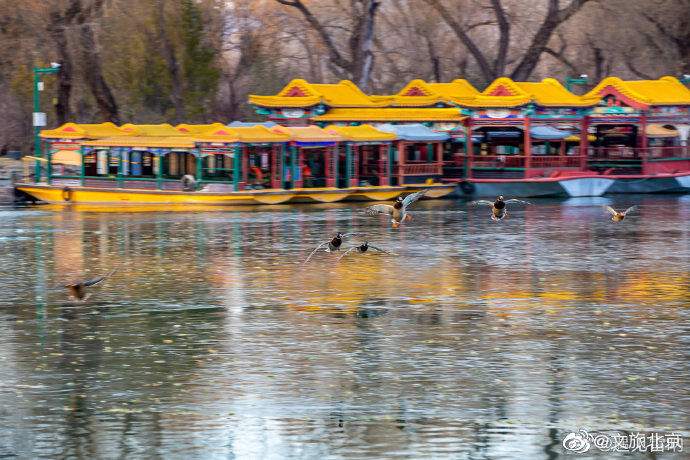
(476, 339)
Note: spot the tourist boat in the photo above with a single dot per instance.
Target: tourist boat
(524, 138)
(222, 165)
(332, 142)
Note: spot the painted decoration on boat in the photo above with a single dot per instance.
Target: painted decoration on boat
(499, 113)
(294, 113)
(551, 112)
(446, 126)
(670, 110)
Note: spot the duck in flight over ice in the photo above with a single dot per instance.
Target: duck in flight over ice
(618, 216)
(498, 207)
(332, 245)
(77, 290)
(398, 211)
(363, 248)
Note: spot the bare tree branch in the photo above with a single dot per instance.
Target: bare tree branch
(446, 15)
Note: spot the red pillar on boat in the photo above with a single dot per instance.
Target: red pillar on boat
(643, 151)
(469, 148)
(275, 170)
(584, 141)
(299, 174)
(528, 147)
(355, 167)
(439, 158)
(383, 176)
(330, 177)
(401, 162)
(244, 153)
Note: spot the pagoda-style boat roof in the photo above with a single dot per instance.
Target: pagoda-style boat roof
(308, 134)
(642, 94)
(198, 129)
(162, 130)
(88, 131)
(247, 134)
(143, 141)
(300, 93)
(419, 93)
(362, 133)
(392, 114)
(504, 92)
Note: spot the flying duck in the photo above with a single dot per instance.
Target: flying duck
(618, 216)
(398, 211)
(333, 244)
(77, 290)
(363, 248)
(498, 207)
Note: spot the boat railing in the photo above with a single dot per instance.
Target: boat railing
(623, 153)
(555, 161)
(419, 169)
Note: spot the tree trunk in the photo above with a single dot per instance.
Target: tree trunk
(358, 66)
(503, 40)
(367, 57)
(168, 52)
(554, 18)
(484, 66)
(57, 30)
(93, 75)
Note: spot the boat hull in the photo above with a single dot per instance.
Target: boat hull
(96, 195)
(594, 185)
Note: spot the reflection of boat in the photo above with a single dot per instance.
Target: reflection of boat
(78, 194)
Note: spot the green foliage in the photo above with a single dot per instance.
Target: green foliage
(201, 74)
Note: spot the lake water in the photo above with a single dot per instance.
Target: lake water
(474, 339)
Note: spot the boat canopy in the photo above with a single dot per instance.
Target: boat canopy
(66, 157)
(657, 131)
(413, 132)
(548, 133)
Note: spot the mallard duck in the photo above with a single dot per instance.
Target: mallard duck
(618, 216)
(398, 210)
(78, 290)
(498, 207)
(363, 248)
(333, 244)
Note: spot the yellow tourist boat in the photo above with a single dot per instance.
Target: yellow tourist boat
(221, 165)
(93, 195)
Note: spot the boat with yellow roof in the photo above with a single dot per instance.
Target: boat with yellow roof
(215, 164)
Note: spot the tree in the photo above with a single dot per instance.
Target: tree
(555, 16)
(358, 62)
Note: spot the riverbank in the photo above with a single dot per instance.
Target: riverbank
(11, 171)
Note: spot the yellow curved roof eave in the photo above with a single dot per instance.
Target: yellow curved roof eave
(244, 134)
(161, 130)
(280, 101)
(416, 101)
(362, 133)
(492, 101)
(392, 114)
(142, 141)
(307, 134)
(83, 131)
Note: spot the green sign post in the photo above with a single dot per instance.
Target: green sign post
(39, 118)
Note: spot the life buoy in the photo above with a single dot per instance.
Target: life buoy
(188, 183)
(467, 187)
(66, 193)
